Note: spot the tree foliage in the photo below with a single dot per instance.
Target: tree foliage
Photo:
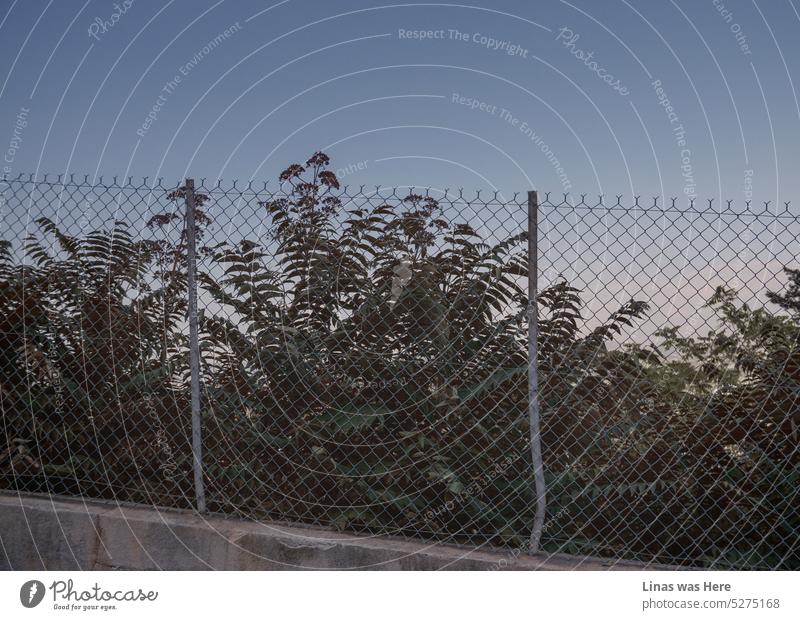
(365, 365)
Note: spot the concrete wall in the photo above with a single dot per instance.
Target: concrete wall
(70, 534)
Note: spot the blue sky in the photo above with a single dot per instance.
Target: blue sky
(503, 95)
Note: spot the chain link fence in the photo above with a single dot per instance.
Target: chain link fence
(669, 356)
(361, 361)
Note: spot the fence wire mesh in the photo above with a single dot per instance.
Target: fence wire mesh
(364, 362)
(92, 342)
(669, 363)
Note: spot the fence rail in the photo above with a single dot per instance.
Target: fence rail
(364, 360)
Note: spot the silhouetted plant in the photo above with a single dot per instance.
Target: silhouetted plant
(364, 364)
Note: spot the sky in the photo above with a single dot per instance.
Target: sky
(621, 97)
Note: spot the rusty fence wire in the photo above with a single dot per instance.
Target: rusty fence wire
(362, 362)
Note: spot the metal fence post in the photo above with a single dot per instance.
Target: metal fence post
(194, 346)
(533, 378)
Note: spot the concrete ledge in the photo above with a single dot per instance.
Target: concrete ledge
(41, 533)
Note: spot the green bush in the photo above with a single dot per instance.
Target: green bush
(365, 367)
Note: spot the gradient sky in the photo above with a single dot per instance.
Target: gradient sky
(291, 77)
